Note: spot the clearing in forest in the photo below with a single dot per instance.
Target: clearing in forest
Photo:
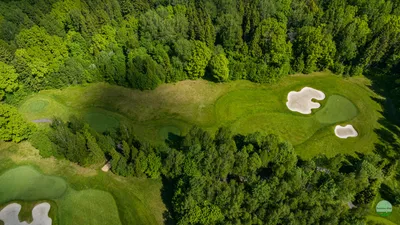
(245, 107)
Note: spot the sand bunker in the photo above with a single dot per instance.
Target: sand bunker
(346, 131)
(300, 101)
(9, 215)
(106, 167)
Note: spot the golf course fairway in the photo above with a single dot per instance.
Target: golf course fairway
(241, 105)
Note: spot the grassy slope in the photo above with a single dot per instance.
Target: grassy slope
(242, 105)
(337, 109)
(138, 200)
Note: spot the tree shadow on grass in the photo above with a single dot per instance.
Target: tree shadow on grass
(386, 136)
(168, 188)
(174, 140)
(389, 145)
(389, 133)
(350, 164)
(167, 193)
(389, 194)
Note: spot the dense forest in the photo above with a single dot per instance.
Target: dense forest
(216, 178)
(141, 44)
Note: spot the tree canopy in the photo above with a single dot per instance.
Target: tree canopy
(13, 127)
(223, 178)
(56, 43)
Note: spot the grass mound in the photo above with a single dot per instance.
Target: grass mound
(25, 183)
(89, 207)
(336, 109)
(37, 106)
(43, 107)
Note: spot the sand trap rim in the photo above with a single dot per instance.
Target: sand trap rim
(302, 101)
(345, 132)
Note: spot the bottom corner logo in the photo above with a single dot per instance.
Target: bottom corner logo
(384, 208)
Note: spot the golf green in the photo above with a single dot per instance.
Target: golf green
(37, 106)
(336, 109)
(25, 183)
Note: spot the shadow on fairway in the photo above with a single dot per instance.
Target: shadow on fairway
(389, 194)
(167, 193)
(173, 140)
(389, 133)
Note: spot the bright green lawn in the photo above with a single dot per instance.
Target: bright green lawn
(91, 197)
(25, 183)
(84, 207)
(337, 109)
(242, 105)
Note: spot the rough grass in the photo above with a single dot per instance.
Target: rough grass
(242, 105)
(138, 201)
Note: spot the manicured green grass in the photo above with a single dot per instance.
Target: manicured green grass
(25, 183)
(337, 109)
(242, 105)
(104, 197)
(37, 106)
(88, 207)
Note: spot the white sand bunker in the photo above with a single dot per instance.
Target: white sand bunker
(106, 167)
(346, 131)
(300, 101)
(9, 215)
